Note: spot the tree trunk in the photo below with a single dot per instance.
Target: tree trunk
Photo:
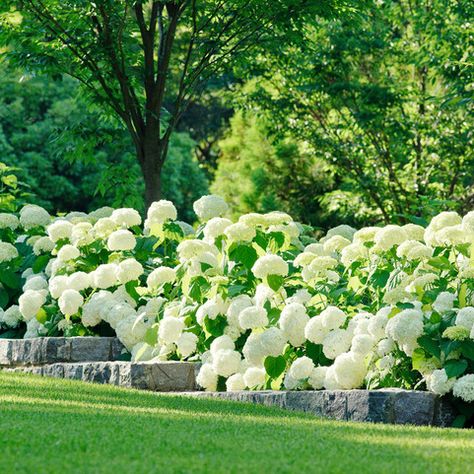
(152, 187)
(153, 158)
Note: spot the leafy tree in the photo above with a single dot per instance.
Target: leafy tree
(72, 158)
(258, 172)
(370, 98)
(133, 55)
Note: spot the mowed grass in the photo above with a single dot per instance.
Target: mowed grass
(57, 426)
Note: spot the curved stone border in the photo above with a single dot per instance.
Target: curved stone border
(50, 350)
(156, 376)
(380, 406)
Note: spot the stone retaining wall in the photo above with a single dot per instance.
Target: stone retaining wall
(50, 350)
(156, 376)
(381, 406)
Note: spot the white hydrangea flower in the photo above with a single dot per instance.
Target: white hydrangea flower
(301, 368)
(12, 316)
(160, 276)
(316, 249)
(57, 285)
(30, 302)
(43, 245)
(210, 206)
(362, 344)
(253, 219)
(32, 216)
(444, 302)
(142, 352)
(82, 234)
(207, 378)
(253, 317)
(413, 250)
(342, 230)
(303, 259)
(336, 342)
(366, 234)
(126, 217)
(8, 221)
(277, 218)
(405, 328)
(68, 252)
(215, 227)
(211, 308)
(79, 281)
(70, 301)
(170, 329)
(273, 341)
(254, 377)
(104, 276)
(60, 230)
(332, 317)
(385, 346)
(100, 213)
(414, 231)
(34, 329)
(336, 243)
(253, 350)
(104, 227)
(317, 377)
(293, 320)
(468, 223)
(226, 362)
(464, 388)
(465, 317)
(439, 222)
(438, 382)
(354, 252)
(121, 240)
(36, 282)
(453, 235)
(235, 383)
(270, 265)
(128, 270)
(389, 236)
(240, 232)
(377, 324)
(186, 344)
(159, 212)
(222, 343)
(236, 306)
(315, 331)
(302, 296)
(188, 249)
(8, 252)
(349, 370)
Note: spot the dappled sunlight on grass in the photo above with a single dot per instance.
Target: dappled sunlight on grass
(47, 422)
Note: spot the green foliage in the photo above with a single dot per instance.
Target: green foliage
(74, 157)
(257, 172)
(370, 98)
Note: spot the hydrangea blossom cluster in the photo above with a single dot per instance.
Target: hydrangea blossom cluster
(261, 302)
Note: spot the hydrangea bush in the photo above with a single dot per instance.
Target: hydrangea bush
(260, 302)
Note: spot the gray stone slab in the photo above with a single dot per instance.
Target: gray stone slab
(379, 406)
(155, 376)
(412, 407)
(51, 350)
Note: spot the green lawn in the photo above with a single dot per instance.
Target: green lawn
(49, 426)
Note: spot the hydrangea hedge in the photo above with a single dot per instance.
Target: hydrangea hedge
(260, 302)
